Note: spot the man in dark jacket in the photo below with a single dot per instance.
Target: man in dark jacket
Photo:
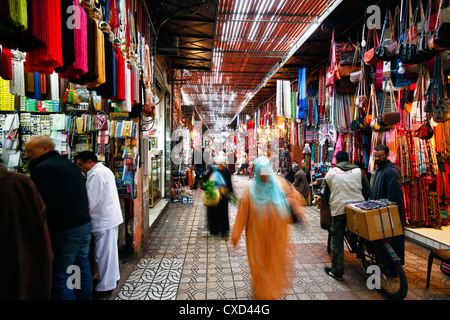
(63, 189)
(386, 184)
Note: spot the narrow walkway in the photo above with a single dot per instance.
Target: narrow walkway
(183, 262)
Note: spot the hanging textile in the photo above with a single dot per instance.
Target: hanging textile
(48, 21)
(79, 67)
(301, 93)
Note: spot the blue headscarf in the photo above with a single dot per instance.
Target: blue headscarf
(263, 192)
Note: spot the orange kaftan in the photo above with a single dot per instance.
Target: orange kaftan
(267, 240)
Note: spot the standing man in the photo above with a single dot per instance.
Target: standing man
(300, 180)
(106, 215)
(345, 182)
(386, 184)
(63, 190)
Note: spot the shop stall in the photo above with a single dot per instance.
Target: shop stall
(82, 73)
(389, 86)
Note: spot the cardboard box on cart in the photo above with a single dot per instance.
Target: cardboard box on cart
(374, 224)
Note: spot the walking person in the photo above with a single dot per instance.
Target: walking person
(344, 183)
(264, 213)
(106, 215)
(25, 240)
(386, 184)
(218, 221)
(63, 190)
(200, 167)
(301, 180)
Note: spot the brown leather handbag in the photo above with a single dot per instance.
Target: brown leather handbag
(394, 47)
(389, 117)
(369, 57)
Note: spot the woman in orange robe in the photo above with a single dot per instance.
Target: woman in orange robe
(264, 212)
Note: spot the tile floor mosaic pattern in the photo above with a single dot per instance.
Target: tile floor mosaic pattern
(183, 262)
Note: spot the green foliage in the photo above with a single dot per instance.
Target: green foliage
(210, 189)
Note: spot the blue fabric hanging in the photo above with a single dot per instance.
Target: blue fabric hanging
(301, 93)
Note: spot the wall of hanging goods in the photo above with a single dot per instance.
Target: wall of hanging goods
(390, 87)
(82, 73)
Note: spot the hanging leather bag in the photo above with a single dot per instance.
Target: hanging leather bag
(441, 35)
(422, 40)
(393, 49)
(409, 53)
(369, 57)
(390, 117)
(422, 129)
(333, 70)
(380, 51)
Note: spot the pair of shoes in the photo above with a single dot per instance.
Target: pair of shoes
(331, 274)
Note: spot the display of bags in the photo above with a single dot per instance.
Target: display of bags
(422, 40)
(409, 54)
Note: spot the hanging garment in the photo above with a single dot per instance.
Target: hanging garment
(301, 93)
(17, 84)
(92, 53)
(108, 89)
(120, 77)
(7, 72)
(79, 67)
(99, 63)
(68, 35)
(48, 22)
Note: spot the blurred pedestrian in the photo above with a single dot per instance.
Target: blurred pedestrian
(218, 221)
(200, 167)
(106, 215)
(62, 187)
(264, 213)
(25, 242)
(345, 182)
(386, 184)
(291, 173)
(300, 180)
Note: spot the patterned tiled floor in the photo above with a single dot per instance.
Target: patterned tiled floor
(183, 262)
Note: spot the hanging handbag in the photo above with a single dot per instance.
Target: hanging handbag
(392, 117)
(409, 53)
(441, 35)
(394, 47)
(422, 40)
(333, 70)
(421, 129)
(369, 56)
(347, 54)
(372, 101)
(441, 111)
(380, 51)
(362, 100)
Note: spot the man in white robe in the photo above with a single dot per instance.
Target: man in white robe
(106, 216)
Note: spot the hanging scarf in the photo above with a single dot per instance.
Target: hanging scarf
(301, 92)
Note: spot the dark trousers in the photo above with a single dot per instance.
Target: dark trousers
(338, 225)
